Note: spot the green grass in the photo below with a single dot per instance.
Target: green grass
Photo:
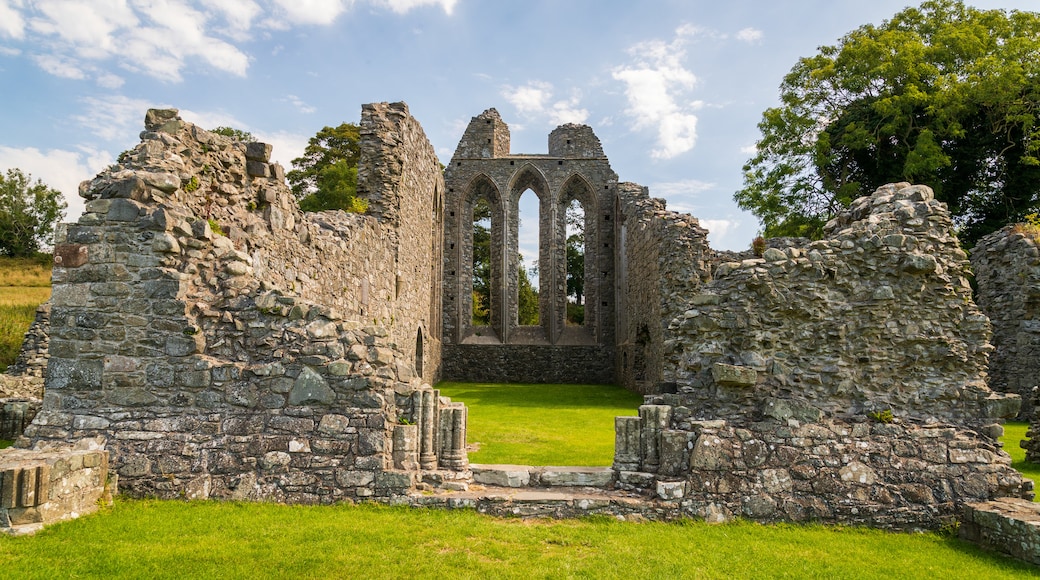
(542, 424)
(199, 540)
(4, 443)
(34, 271)
(1014, 433)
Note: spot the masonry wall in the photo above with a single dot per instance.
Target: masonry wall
(662, 259)
(1007, 275)
(842, 380)
(226, 344)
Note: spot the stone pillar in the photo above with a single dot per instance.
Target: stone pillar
(453, 437)
(429, 426)
(15, 416)
(653, 419)
(626, 443)
(406, 447)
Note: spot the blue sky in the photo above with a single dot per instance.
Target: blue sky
(674, 89)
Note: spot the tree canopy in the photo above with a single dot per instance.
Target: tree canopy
(943, 95)
(325, 177)
(236, 134)
(28, 214)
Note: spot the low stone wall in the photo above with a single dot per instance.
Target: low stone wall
(1007, 274)
(16, 415)
(797, 466)
(1007, 525)
(519, 363)
(39, 487)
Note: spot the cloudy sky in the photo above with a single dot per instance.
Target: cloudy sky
(673, 88)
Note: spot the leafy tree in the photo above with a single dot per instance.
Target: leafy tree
(236, 134)
(527, 298)
(575, 249)
(945, 95)
(28, 213)
(325, 177)
(481, 263)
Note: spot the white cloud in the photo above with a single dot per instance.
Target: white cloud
(60, 66)
(749, 149)
(685, 187)
(8, 51)
(403, 6)
(299, 104)
(12, 25)
(718, 230)
(750, 35)
(212, 119)
(109, 80)
(655, 83)
(309, 12)
(61, 169)
(535, 100)
(529, 99)
(116, 118)
(161, 38)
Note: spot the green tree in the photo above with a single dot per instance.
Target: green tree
(28, 213)
(481, 263)
(236, 134)
(944, 95)
(527, 297)
(325, 177)
(575, 249)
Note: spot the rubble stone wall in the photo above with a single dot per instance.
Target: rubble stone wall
(226, 344)
(662, 259)
(876, 316)
(21, 385)
(1007, 275)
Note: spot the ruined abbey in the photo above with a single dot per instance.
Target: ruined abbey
(207, 339)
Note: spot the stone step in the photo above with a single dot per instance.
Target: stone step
(1007, 524)
(519, 476)
(552, 503)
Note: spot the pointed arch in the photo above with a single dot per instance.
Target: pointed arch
(482, 187)
(576, 188)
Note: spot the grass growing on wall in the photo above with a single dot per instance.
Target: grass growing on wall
(542, 424)
(24, 285)
(1014, 433)
(199, 540)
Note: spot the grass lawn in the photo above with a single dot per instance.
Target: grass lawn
(542, 424)
(24, 284)
(4, 443)
(168, 539)
(1014, 433)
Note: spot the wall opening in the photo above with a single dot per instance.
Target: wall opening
(482, 282)
(528, 250)
(419, 354)
(575, 252)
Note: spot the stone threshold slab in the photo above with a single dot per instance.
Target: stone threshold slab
(521, 476)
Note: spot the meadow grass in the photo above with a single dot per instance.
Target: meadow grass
(542, 424)
(4, 443)
(24, 285)
(34, 271)
(169, 539)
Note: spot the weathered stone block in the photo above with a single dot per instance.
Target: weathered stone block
(734, 376)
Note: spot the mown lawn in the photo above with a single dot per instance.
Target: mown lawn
(156, 539)
(1014, 433)
(542, 424)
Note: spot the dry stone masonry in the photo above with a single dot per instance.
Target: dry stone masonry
(1007, 273)
(21, 386)
(221, 343)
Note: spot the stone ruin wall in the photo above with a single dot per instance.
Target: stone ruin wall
(777, 363)
(226, 344)
(663, 259)
(1007, 274)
